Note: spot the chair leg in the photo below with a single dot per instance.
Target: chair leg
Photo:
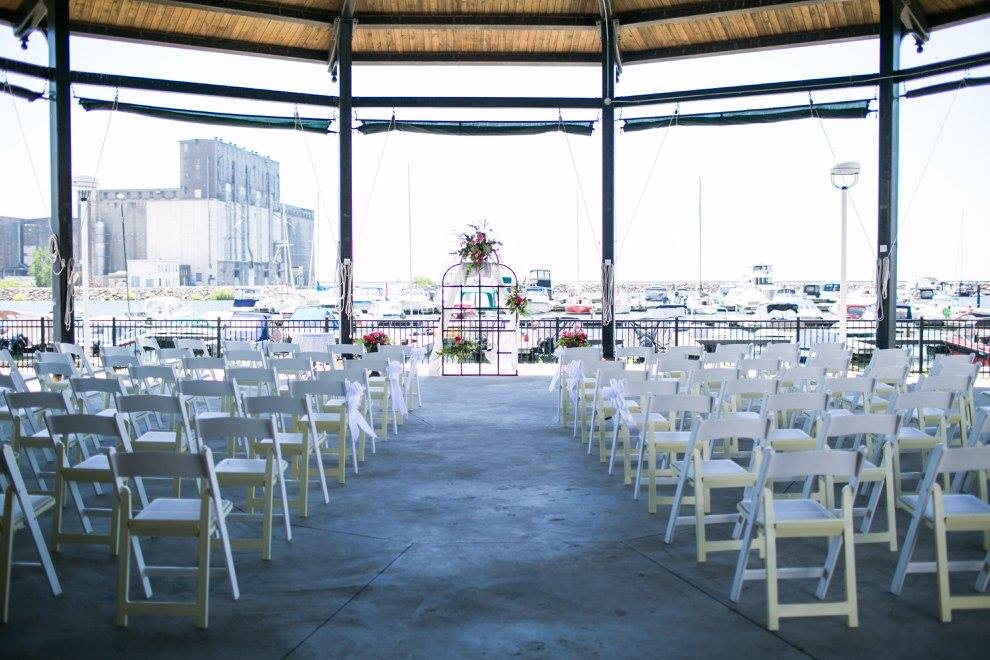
(124, 578)
(6, 555)
(773, 610)
(942, 570)
(700, 496)
(203, 581)
(852, 597)
(266, 520)
(675, 507)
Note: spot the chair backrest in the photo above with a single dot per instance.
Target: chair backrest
(604, 368)
(824, 347)
(46, 370)
(318, 388)
(890, 374)
(789, 354)
(955, 383)
(83, 386)
(111, 363)
(906, 403)
(8, 361)
(77, 352)
(238, 345)
(322, 360)
(252, 429)
(748, 387)
(840, 426)
(837, 386)
(710, 430)
(33, 401)
(244, 357)
(695, 405)
(889, 357)
(336, 377)
(833, 363)
(959, 358)
(643, 388)
(112, 427)
(259, 379)
(955, 368)
(150, 376)
(394, 352)
(675, 365)
(957, 461)
(635, 352)
(280, 407)
(115, 351)
(761, 366)
(149, 343)
(197, 346)
(347, 350)
(712, 378)
(275, 348)
(149, 403)
(733, 351)
(298, 366)
(785, 402)
(801, 377)
(796, 465)
(50, 357)
(684, 352)
(173, 355)
(372, 362)
(192, 392)
(204, 366)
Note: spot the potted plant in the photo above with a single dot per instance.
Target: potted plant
(374, 339)
(460, 349)
(477, 248)
(576, 337)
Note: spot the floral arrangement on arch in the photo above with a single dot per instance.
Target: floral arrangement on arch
(373, 340)
(460, 349)
(576, 337)
(516, 301)
(477, 248)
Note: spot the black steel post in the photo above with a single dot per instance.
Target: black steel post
(60, 139)
(346, 254)
(889, 138)
(608, 186)
(921, 345)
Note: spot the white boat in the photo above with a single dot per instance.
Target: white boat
(417, 301)
(539, 300)
(744, 298)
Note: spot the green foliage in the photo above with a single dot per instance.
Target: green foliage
(423, 282)
(221, 294)
(41, 268)
(11, 283)
(20, 295)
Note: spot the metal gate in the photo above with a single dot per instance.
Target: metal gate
(473, 310)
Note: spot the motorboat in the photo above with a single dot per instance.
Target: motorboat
(417, 301)
(744, 298)
(539, 300)
(578, 306)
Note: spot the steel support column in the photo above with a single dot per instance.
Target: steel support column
(346, 254)
(889, 138)
(608, 184)
(60, 138)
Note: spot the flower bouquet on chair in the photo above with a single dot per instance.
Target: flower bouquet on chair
(477, 248)
(576, 337)
(373, 340)
(517, 302)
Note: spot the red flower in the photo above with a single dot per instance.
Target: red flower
(457, 339)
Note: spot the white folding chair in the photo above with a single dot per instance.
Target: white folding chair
(773, 519)
(276, 349)
(628, 399)
(787, 354)
(802, 378)
(263, 468)
(759, 367)
(329, 415)
(794, 418)
(198, 347)
(29, 435)
(153, 379)
(922, 437)
(949, 511)
(849, 393)
(102, 391)
(21, 509)
(201, 518)
(76, 352)
(69, 473)
(203, 368)
(298, 440)
(876, 432)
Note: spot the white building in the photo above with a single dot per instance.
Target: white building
(153, 272)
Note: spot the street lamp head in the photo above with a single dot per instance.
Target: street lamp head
(121, 196)
(845, 175)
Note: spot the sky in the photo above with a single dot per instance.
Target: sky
(766, 195)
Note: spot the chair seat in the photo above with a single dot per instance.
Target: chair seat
(322, 417)
(742, 414)
(671, 438)
(954, 504)
(289, 441)
(166, 515)
(790, 440)
(95, 462)
(149, 439)
(212, 414)
(912, 438)
(39, 504)
(718, 467)
(245, 467)
(793, 511)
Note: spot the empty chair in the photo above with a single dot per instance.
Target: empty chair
(347, 351)
(801, 379)
(876, 432)
(598, 407)
(321, 360)
(794, 418)
(329, 415)
(264, 469)
(849, 393)
(631, 399)
(276, 349)
(30, 434)
(290, 369)
(787, 354)
(153, 379)
(238, 345)
(710, 380)
(148, 349)
(737, 398)
(945, 511)
(165, 418)
(198, 347)
(54, 376)
(706, 474)
(773, 518)
(64, 431)
(660, 446)
(920, 408)
(888, 382)
(209, 398)
(298, 438)
(173, 357)
(684, 352)
(97, 395)
(253, 381)
(201, 518)
(676, 367)
(889, 357)
(960, 386)
(244, 358)
(21, 509)
(761, 367)
(945, 359)
(119, 366)
(835, 364)
(203, 368)
(8, 362)
(726, 355)
(644, 355)
(77, 353)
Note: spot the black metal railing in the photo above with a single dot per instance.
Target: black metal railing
(925, 338)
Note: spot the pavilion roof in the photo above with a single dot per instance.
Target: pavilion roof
(500, 31)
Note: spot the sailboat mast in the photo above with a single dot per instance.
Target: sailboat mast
(409, 218)
(699, 236)
(577, 232)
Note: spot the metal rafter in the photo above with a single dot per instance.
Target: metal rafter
(28, 17)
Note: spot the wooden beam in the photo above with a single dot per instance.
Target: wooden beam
(285, 13)
(710, 9)
(959, 16)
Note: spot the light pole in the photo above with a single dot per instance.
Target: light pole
(844, 176)
(123, 246)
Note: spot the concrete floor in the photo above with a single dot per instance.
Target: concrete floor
(482, 531)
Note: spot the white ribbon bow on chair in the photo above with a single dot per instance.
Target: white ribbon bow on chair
(575, 377)
(615, 394)
(394, 373)
(353, 392)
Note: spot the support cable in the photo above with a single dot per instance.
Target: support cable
(577, 179)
